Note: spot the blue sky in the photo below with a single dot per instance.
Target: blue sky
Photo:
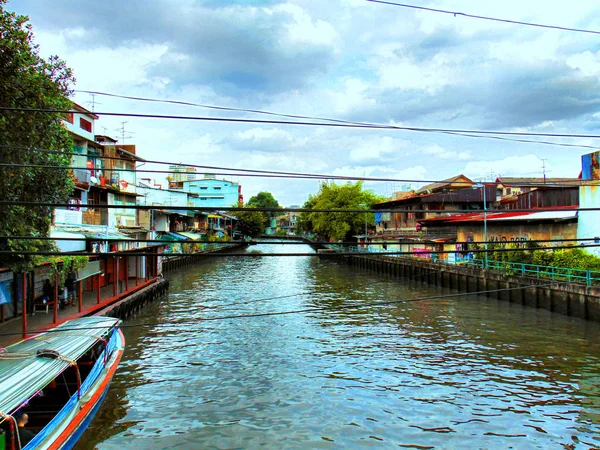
(344, 59)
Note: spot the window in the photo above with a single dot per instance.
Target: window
(203, 198)
(217, 188)
(69, 117)
(508, 191)
(85, 125)
(203, 188)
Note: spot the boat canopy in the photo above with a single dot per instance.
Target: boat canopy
(28, 366)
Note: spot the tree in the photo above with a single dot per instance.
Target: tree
(250, 223)
(264, 200)
(339, 226)
(28, 81)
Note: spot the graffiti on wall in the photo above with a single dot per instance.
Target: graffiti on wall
(503, 240)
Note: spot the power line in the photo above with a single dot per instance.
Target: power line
(270, 113)
(490, 213)
(304, 123)
(397, 241)
(257, 255)
(575, 182)
(290, 312)
(494, 19)
(274, 174)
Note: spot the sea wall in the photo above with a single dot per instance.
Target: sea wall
(562, 297)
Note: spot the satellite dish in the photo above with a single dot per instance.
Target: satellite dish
(94, 180)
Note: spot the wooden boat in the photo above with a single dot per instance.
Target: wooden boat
(59, 379)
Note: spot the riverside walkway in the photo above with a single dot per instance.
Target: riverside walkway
(11, 331)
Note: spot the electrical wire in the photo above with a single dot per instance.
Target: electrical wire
(273, 174)
(303, 123)
(494, 19)
(398, 240)
(140, 252)
(490, 213)
(290, 312)
(549, 182)
(270, 113)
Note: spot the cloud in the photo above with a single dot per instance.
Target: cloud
(234, 48)
(526, 165)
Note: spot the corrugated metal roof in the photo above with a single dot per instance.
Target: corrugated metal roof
(494, 216)
(23, 372)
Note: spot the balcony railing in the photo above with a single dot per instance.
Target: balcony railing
(92, 217)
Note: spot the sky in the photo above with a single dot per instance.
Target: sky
(342, 59)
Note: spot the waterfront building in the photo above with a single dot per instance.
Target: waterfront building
(433, 200)
(589, 197)
(182, 173)
(210, 192)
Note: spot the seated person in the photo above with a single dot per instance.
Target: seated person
(25, 435)
(47, 291)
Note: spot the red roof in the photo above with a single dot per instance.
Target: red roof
(491, 215)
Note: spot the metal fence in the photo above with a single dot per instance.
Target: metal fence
(574, 275)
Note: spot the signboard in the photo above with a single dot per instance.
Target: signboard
(422, 252)
(6, 279)
(68, 217)
(590, 166)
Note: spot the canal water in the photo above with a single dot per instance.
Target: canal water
(440, 371)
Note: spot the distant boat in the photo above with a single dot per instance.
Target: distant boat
(59, 379)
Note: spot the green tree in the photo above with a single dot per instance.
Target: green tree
(28, 81)
(250, 223)
(264, 200)
(339, 226)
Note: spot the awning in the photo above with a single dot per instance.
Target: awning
(106, 235)
(133, 230)
(214, 216)
(173, 237)
(68, 245)
(192, 236)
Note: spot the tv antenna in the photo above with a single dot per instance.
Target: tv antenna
(124, 134)
(93, 102)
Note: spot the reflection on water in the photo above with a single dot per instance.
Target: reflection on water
(459, 372)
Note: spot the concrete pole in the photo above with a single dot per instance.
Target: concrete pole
(24, 304)
(485, 234)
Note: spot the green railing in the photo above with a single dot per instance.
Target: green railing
(588, 277)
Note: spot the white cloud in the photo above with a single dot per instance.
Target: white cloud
(345, 59)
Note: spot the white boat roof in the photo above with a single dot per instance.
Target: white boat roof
(23, 371)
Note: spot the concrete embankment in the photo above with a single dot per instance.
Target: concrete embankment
(129, 305)
(571, 299)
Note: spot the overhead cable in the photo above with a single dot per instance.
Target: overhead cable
(140, 252)
(490, 212)
(389, 240)
(494, 19)
(276, 174)
(549, 182)
(294, 116)
(301, 123)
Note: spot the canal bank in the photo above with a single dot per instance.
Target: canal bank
(300, 352)
(572, 299)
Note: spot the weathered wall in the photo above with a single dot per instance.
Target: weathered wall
(514, 231)
(589, 221)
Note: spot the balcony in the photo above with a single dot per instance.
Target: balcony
(94, 217)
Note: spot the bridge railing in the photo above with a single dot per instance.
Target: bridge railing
(572, 275)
